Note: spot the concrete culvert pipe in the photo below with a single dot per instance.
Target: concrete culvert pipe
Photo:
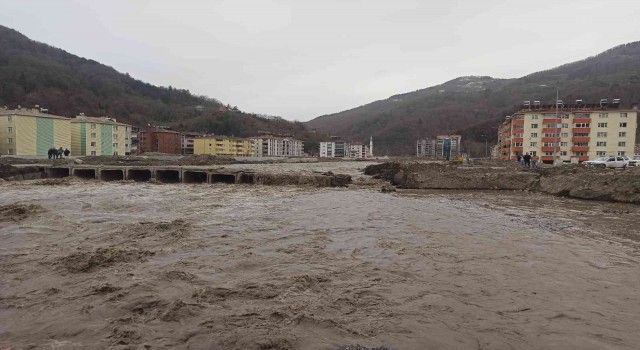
(194, 177)
(139, 175)
(85, 173)
(223, 178)
(168, 176)
(111, 175)
(247, 179)
(58, 172)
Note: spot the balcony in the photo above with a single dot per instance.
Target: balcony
(517, 139)
(550, 130)
(547, 158)
(517, 149)
(576, 130)
(550, 139)
(582, 158)
(518, 122)
(579, 149)
(580, 139)
(548, 149)
(551, 121)
(582, 120)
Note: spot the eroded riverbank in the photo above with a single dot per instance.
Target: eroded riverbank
(123, 265)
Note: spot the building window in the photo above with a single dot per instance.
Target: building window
(533, 144)
(623, 124)
(549, 144)
(9, 118)
(93, 135)
(621, 153)
(535, 116)
(603, 115)
(534, 126)
(550, 135)
(565, 126)
(10, 140)
(563, 153)
(93, 126)
(115, 136)
(93, 153)
(622, 134)
(564, 144)
(564, 116)
(582, 125)
(601, 153)
(10, 150)
(115, 127)
(565, 134)
(534, 134)
(115, 153)
(581, 144)
(623, 115)
(602, 134)
(622, 144)
(601, 143)
(115, 145)
(581, 134)
(93, 144)
(577, 154)
(602, 125)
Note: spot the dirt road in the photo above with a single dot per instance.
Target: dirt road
(120, 265)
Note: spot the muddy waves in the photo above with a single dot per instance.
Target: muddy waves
(133, 266)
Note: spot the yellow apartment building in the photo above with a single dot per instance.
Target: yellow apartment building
(30, 132)
(92, 136)
(223, 146)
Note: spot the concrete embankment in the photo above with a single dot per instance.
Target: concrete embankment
(576, 181)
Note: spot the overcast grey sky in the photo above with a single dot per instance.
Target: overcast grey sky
(301, 59)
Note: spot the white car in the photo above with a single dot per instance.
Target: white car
(608, 162)
(632, 162)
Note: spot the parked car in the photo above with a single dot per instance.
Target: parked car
(608, 162)
(632, 162)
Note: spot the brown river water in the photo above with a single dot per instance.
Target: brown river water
(144, 266)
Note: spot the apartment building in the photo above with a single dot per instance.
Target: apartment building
(91, 136)
(359, 150)
(569, 133)
(161, 140)
(272, 146)
(188, 140)
(32, 132)
(334, 149)
(442, 147)
(223, 146)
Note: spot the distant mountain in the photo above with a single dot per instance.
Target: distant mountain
(33, 73)
(473, 106)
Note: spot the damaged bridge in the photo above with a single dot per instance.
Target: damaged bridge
(193, 175)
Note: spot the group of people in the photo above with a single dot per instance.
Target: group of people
(528, 160)
(54, 153)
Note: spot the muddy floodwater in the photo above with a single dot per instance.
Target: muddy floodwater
(92, 265)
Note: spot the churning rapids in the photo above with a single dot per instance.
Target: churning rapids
(88, 264)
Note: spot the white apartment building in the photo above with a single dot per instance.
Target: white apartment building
(442, 147)
(358, 150)
(271, 146)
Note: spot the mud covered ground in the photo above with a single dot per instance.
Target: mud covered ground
(88, 264)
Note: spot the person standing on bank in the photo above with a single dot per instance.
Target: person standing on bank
(66, 152)
(527, 159)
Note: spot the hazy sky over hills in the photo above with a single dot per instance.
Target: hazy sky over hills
(301, 59)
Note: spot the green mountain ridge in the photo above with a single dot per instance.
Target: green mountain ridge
(34, 73)
(475, 105)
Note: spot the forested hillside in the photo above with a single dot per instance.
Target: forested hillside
(33, 73)
(474, 106)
